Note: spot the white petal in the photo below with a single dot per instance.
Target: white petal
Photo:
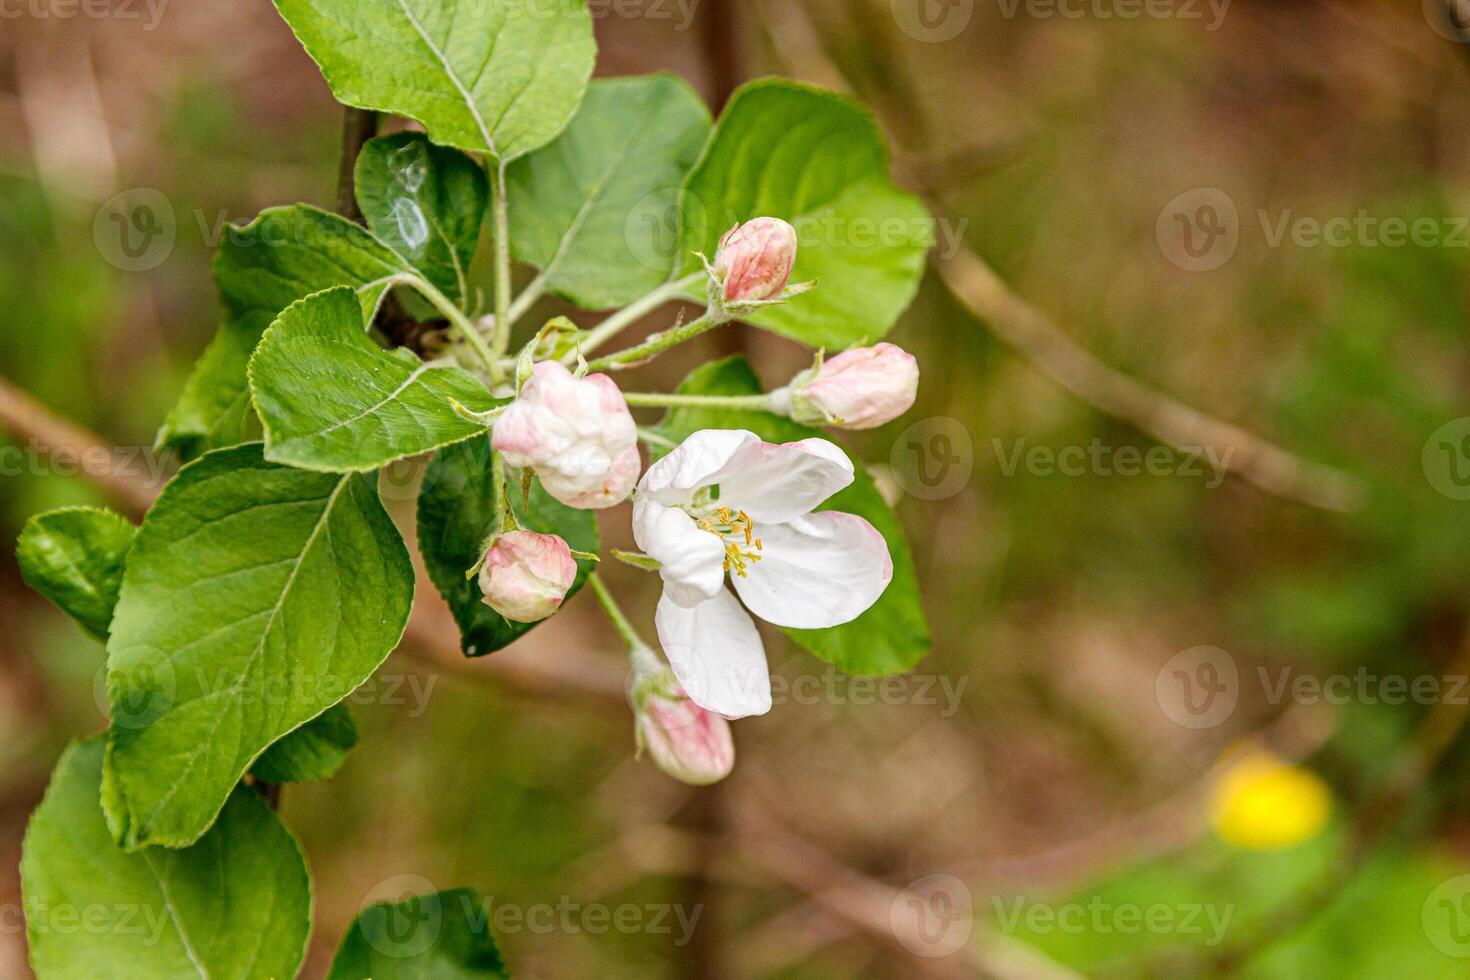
(818, 571)
(717, 655)
(673, 479)
(774, 483)
(691, 561)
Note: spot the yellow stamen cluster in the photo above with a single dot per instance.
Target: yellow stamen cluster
(738, 532)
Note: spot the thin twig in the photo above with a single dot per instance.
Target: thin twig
(358, 126)
(25, 418)
(1038, 338)
(1049, 348)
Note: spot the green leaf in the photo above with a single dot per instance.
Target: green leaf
(235, 906)
(256, 596)
(312, 753)
(74, 557)
(495, 76)
(444, 935)
(214, 409)
(426, 203)
(457, 511)
(817, 160)
(284, 255)
(891, 636)
(595, 210)
(330, 399)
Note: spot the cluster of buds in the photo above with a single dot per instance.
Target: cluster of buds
(576, 434)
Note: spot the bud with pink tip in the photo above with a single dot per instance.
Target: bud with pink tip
(576, 433)
(526, 575)
(858, 389)
(755, 260)
(687, 742)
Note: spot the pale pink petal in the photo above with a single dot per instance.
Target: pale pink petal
(775, 483)
(717, 655)
(817, 571)
(686, 741)
(691, 561)
(690, 466)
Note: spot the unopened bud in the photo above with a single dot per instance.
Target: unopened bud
(858, 389)
(526, 575)
(576, 433)
(755, 260)
(687, 742)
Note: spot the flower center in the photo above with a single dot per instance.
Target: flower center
(737, 530)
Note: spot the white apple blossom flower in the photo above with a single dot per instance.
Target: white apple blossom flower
(576, 433)
(724, 501)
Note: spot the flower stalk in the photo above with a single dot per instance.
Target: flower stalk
(636, 647)
(502, 258)
(635, 311)
(750, 403)
(658, 343)
(462, 324)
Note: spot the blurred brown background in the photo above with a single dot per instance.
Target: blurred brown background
(1038, 755)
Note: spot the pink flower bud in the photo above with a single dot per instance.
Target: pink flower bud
(687, 742)
(526, 575)
(755, 260)
(858, 389)
(576, 433)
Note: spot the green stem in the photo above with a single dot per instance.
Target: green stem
(457, 318)
(615, 613)
(654, 438)
(502, 259)
(657, 344)
(508, 520)
(754, 403)
(637, 310)
(527, 299)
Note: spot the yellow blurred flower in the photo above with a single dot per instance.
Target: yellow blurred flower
(1262, 803)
